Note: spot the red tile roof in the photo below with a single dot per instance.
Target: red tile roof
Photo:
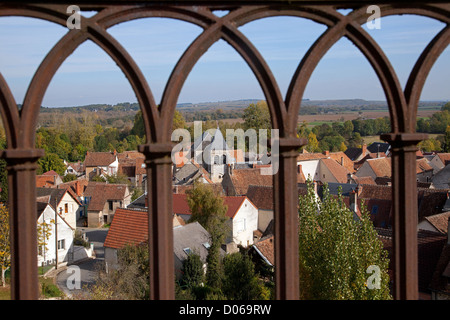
(422, 165)
(380, 166)
(45, 181)
(339, 172)
(265, 247)
(102, 192)
(50, 173)
(439, 221)
(242, 178)
(127, 227)
(180, 204)
(94, 159)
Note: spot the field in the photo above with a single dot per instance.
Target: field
(318, 119)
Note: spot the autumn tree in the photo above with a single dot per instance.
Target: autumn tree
(207, 207)
(313, 143)
(5, 249)
(44, 232)
(340, 255)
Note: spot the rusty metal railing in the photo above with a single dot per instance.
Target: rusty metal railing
(20, 126)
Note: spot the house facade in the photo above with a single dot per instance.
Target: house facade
(101, 163)
(60, 243)
(242, 214)
(64, 201)
(102, 201)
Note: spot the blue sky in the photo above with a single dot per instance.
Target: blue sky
(89, 76)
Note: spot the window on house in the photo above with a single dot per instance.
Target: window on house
(374, 210)
(66, 208)
(110, 205)
(61, 244)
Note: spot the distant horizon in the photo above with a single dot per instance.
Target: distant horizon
(244, 99)
(90, 76)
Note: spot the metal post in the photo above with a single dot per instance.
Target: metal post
(159, 184)
(22, 165)
(286, 221)
(405, 219)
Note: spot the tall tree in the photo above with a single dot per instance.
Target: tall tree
(241, 282)
(192, 269)
(208, 209)
(340, 255)
(313, 143)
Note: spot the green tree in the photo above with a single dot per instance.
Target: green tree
(138, 125)
(257, 116)
(192, 269)
(178, 121)
(49, 162)
(446, 145)
(429, 145)
(336, 250)
(446, 107)
(69, 177)
(207, 207)
(129, 281)
(241, 282)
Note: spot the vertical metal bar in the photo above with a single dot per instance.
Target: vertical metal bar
(23, 222)
(286, 221)
(159, 186)
(405, 219)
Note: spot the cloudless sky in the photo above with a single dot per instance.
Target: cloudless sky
(89, 76)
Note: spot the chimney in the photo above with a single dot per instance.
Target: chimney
(353, 199)
(78, 188)
(342, 161)
(299, 169)
(327, 153)
(364, 150)
(115, 152)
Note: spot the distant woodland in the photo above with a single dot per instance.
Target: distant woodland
(68, 133)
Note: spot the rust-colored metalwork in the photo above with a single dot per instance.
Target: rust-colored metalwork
(20, 125)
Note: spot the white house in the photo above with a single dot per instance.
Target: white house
(63, 240)
(65, 201)
(242, 214)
